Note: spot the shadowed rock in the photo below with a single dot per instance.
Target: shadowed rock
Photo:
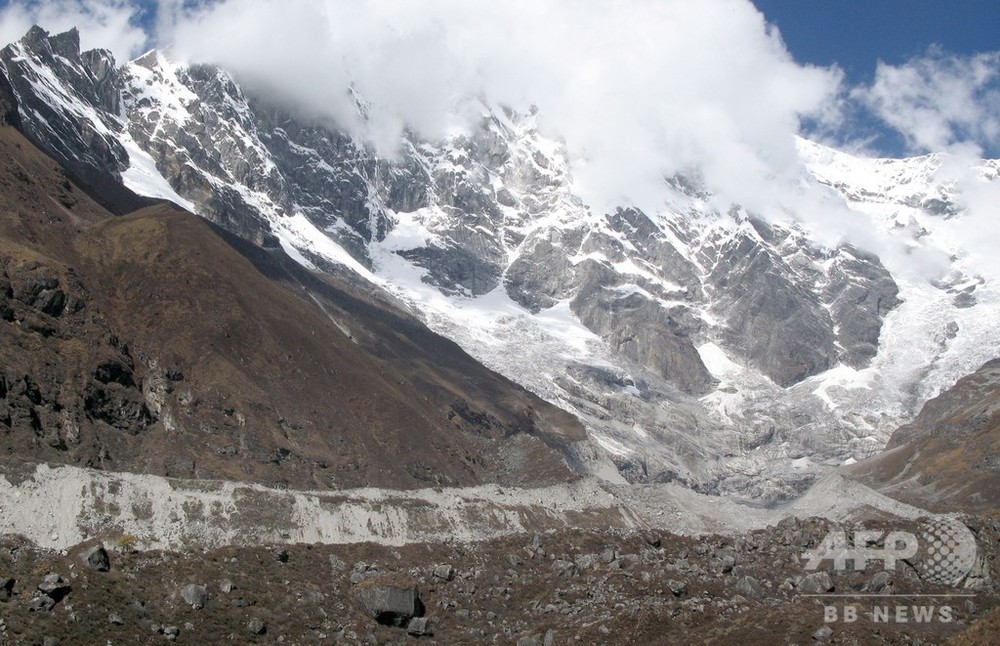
(97, 559)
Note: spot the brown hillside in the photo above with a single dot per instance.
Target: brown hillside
(150, 343)
(948, 458)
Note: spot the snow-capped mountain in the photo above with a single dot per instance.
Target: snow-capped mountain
(727, 350)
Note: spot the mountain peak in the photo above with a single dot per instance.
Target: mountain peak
(66, 44)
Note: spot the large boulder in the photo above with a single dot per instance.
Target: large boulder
(97, 559)
(390, 600)
(195, 595)
(816, 583)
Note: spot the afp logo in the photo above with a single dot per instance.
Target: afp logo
(943, 550)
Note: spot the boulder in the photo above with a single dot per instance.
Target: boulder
(822, 634)
(677, 588)
(97, 559)
(726, 561)
(420, 627)
(748, 586)
(195, 595)
(391, 601)
(815, 583)
(444, 572)
(41, 602)
(256, 626)
(54, 587)
(881, 582)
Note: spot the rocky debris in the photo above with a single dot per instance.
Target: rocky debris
(256, 626)
(631, 599)
(881, 582)
(227, 586)
(444, 572)
(363, 571)
(54, 587)
(41, 602)
(116, 619)
(563, 567)
(195, 595)
(822, 634)
(815, 583)
(420, 627)
(748, 586)
(390, 600)
(725, 561)
(97, 559)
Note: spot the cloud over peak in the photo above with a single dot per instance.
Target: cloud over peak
(638, 90)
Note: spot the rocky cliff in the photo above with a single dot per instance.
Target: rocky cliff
(723, 348)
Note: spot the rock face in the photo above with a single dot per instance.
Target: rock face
(695, 342)
(51, 80)
(492, 212)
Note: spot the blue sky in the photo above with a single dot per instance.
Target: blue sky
(856, 34)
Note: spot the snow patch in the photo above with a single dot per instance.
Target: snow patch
(143, 177)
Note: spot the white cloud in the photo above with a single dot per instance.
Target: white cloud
(638, 89)
(950, 104)
(103, 24)
(940, 102)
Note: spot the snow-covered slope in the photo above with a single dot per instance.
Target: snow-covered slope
(944, 328)
(727, 350)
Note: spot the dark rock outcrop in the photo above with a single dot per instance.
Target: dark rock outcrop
(97, 559)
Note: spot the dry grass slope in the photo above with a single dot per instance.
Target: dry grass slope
(153, 343)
